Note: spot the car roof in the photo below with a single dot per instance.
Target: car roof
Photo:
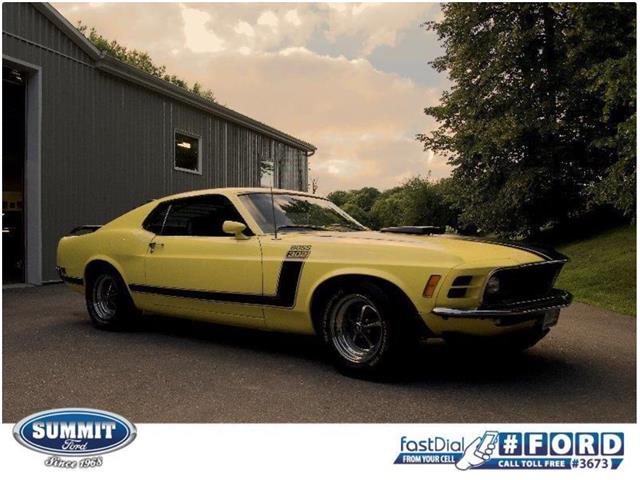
(233, 191)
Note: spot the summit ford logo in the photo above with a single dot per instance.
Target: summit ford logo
(74, 432)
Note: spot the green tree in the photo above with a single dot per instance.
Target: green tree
(365, 197)
(139, 59)
(339, 197)
(539, 121)
(418, 201)
(388, 209)
(612, 78)
(357, 203)
(356, 212)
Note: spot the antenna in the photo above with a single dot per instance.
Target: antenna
(273, 213)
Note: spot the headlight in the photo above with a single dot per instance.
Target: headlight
(493, 286)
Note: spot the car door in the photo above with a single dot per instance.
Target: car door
(194, 269)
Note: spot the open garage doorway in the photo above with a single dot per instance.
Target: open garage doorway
(13, 167)
(21, 170)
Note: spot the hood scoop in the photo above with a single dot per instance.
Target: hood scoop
(419, 230)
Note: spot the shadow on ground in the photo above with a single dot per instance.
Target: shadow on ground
(453, 364)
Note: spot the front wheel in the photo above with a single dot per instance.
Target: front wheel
(360, 330)
(108, 302)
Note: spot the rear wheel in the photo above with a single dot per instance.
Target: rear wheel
(359, 328)
(108, 302)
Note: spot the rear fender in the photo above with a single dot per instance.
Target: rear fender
(112, 262)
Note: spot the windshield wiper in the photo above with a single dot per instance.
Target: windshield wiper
(300, 227)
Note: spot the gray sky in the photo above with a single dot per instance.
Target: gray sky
(352, 79)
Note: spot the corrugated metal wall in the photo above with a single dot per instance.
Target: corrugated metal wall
(107, 145)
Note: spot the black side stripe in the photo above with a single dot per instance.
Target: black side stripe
(285, 296)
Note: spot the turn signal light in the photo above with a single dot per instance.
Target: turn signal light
(431, 285)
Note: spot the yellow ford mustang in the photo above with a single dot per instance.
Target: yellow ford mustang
(294, 262)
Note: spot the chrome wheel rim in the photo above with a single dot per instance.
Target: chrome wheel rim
(105, 297)
(357, 330)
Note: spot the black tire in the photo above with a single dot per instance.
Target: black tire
(108, 301)
(363, 331)
(503, 345)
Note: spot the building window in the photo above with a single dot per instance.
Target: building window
(188, 156)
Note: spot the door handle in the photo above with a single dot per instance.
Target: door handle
(154, 245)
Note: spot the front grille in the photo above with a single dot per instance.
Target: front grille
(524, 283)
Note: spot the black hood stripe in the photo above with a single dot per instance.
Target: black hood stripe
(544, 252)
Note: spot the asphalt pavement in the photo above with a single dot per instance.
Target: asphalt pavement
(174, 370)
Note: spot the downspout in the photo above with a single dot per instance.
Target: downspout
(307, 154)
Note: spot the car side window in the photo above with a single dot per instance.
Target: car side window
(200, 217)
(156, 218)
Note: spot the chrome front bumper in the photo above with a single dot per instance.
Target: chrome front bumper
(557, 300)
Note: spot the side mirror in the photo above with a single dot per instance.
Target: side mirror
(235, 228)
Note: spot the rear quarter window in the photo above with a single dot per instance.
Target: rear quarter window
(155, 220)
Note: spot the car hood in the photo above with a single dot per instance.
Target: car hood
(468, 250)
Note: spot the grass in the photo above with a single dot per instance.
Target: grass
(602, 270)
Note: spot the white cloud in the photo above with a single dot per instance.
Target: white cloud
(133, 24)
(243, 28)
(269, 19)
(338, 7)
(376, 24)
(198, 37)
(357, 9)
(285, 52)
(292, 17)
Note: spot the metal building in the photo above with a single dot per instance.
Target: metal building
(87, 137)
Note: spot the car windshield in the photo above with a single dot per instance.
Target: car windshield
(297, 212)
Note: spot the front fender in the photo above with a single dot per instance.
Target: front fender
(412, 284)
